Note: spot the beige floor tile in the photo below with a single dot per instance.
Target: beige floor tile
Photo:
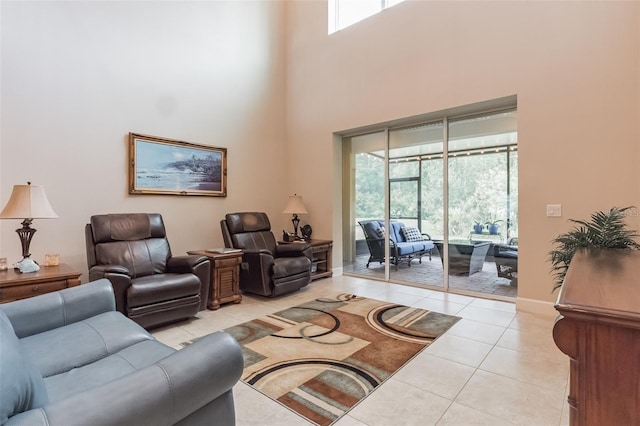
(479, 331)
(397, 403)
(441, 306)
(536, 368)
(523, 320)
(450, 297)
(459, 349)
(347, 420)
(210, 324)
(434, 374)
(533, 339)
(490, 316)
(255, 409)
(498, 305)
(510, 399)
(459, 415)
(399, 298)
(172, 336)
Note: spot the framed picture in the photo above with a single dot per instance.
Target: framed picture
(166, 166)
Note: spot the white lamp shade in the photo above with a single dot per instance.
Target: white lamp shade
(28, 202)
(295, 205)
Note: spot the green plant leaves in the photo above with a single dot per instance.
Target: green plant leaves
(606, 229)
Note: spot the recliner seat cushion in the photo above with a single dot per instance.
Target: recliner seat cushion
(160, 288)
(287, 266)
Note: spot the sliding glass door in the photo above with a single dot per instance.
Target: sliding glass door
(450, 180)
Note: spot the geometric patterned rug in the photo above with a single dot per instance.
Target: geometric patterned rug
(321, 358)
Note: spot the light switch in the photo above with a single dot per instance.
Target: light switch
(554, 210)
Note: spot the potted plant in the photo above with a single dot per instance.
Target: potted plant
(493, 226)
(606, 229)
(478, 227)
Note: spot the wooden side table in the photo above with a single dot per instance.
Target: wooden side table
(15, 285)
(322, 252)
(225, 277)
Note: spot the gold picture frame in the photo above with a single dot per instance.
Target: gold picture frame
(171, 167)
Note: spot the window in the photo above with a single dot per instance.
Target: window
(343, 13)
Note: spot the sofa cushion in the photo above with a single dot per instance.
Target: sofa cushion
(62, 349)
(105, 370)
(411, 234)
(21, 387)
(394, 231)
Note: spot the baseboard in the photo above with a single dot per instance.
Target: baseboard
(337, 271)
(536, 307)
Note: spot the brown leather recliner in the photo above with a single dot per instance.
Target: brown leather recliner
(151, 286)
(267, 269)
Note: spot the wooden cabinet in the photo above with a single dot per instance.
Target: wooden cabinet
(322, 252)
(599, 329)
(15, 285)
(224, 279)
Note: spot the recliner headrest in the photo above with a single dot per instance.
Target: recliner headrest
(127, 227)
(247, 222)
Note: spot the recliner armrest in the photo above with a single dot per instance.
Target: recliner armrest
(292, 250)
(102, 270)
(185, 264)
(163, 393)
(52, 310)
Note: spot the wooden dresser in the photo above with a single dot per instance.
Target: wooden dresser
(15, 285)
(599, 329)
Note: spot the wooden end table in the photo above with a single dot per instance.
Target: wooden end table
(322, 252)
(224, 279)
(15, 285)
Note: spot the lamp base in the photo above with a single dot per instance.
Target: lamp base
(27, 265)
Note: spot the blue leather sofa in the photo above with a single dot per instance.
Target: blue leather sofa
(405, 243)
(69, 358)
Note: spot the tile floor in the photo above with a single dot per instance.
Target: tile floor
(494, 367)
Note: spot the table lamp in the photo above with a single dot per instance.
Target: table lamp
(27, 202)
(295, 206)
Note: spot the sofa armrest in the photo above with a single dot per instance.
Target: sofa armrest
(52, 310)
(426, 236)
(163, 393)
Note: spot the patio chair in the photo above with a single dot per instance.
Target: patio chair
(405, 243)
(506, 258)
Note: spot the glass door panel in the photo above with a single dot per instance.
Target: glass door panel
(416, 196)
(365, 176)
(482, 206)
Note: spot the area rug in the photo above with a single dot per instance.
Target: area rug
(321, 358)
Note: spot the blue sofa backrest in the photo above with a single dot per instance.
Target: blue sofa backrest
(394, 229)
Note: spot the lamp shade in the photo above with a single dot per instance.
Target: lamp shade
(295, 205)
(28, 202)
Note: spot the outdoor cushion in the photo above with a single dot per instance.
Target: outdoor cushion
(411, 234)
(380, 232)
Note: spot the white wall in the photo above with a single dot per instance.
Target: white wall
(77, 77)
(574, 66)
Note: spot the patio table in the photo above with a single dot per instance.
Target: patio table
(466, 257)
